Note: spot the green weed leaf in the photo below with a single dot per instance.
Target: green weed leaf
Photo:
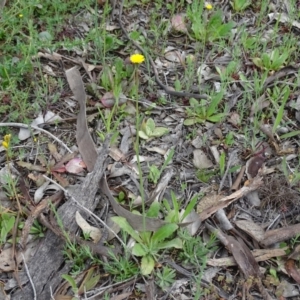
(143, 135)
(123, 223)
(290, 134)
(216, 118)
(216, 99)
(257, 61)
(159, 131)
(150, 126)
(190, 207)
(192, 121)
(91, 283)
(175, 243)
(281, 109)
(147, 264)
(138, 250)
(153, 210)
(71, 281)
(164, 232)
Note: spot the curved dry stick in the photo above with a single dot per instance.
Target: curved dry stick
(167, 89)
(21, 125)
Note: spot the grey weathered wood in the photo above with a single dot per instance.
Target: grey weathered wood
(48, 263)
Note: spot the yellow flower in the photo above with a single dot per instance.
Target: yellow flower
(208, 6)
(20, 15)
(137, 58)
(6, 141)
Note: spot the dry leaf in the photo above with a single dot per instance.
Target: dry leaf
(210, 208)
(292, 270)
(201, 161)
(63, 181)
(7, 262)
(116, 154)
(84, 140)
(193, 221)
(252, 229)
(207, 201)
(53, 151)
(121, 296)
(178, 23)
(75, 165)
(259, 255)
(241, 253)
(25, 133)
(94, 232)
(281, 234)
(31, 167)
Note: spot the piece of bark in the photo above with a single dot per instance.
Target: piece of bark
(281, 234)
(48, 263)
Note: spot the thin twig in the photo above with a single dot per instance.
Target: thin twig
(238, 180)
(85, 209)
(21, 125)
(229, 163)
(28, 274)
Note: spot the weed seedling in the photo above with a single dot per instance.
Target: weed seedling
(240, 5)
(148, 245)
(149, 130)
(165, 277)
(121, 267)
(199, 112)
(174, 214)
(206, 27)
(155, 173)
(272, 61)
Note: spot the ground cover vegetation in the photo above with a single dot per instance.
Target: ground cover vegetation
(150, 149)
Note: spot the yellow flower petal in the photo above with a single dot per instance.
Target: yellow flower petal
(7, 138)
(137, 58)
(5, 145)
(6, 141)
(208, 6)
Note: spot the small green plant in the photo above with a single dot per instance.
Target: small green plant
(111, 124)
(222, 163)
(165, 277)
(199, 112)
(88, 283)
(149, 244)
(174, 214)
(194, 251)
(155, 173)
(7, 222)
(229, 139)
(206, 27)
(283, 96)
(205, 175)
(36, 229)
(78, 255)
(240, 5)
(149, 130)
(74, 253)
(295, 241)
(272, 61)
(121, 268)
(113, 77)
(73, 285)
